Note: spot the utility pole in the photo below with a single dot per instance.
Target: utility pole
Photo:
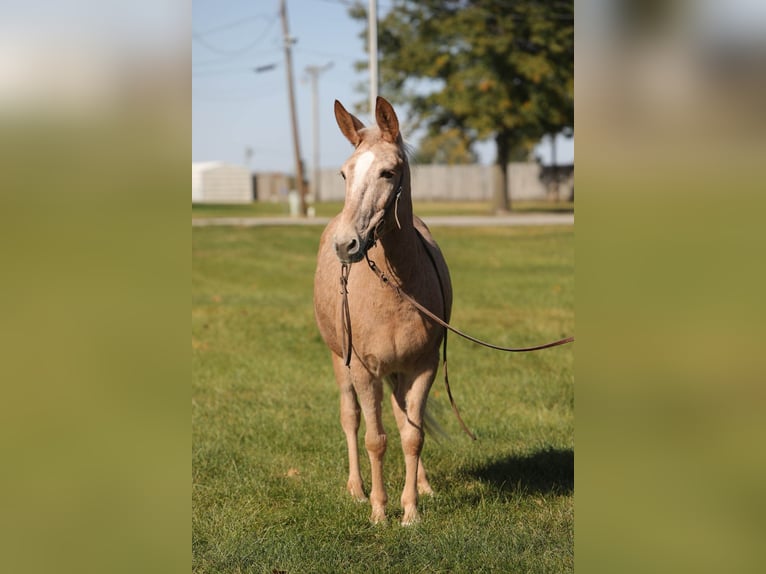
(288, 41)
(553, 192)
(313, 72)
(372, 41)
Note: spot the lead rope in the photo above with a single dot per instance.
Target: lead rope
(382, 276)
(344, 271)
(444, 342)
(449, 391)
(446, 325)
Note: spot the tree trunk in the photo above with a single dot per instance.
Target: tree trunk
(501, 199)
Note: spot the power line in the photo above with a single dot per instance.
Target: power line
(236, 23)
(200, 38)
(266, 91)
(202, 66)
(239, 70)
(225, 52)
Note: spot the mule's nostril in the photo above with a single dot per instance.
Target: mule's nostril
(349, 249)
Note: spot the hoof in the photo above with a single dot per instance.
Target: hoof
(411, 517)
(425, 489)
(378, 516)
(356, 492)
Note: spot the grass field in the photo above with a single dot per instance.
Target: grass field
(268, 455)
(327, 209)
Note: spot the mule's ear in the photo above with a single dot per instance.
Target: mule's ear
(387, 120)
(348, 124)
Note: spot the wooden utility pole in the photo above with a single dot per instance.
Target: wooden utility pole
(313, 73)
(288, 41)
(372, 41)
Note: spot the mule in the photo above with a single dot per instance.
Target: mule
(390, 339)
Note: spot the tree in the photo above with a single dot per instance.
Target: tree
(499, 69)
(449, 146)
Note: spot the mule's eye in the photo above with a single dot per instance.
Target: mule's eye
(343, 175)
(388, 174)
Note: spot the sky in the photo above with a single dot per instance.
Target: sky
(236, 109)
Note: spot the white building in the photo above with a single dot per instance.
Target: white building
(219, 182)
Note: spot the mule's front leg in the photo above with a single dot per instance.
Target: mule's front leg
(370, 393)
(349, 421)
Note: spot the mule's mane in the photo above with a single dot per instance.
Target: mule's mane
(407, 149)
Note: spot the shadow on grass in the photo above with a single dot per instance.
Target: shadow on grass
(546, 472)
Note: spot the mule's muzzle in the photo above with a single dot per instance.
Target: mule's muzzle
(350, 249)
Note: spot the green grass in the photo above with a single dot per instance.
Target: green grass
(268, 455)
(330, 208)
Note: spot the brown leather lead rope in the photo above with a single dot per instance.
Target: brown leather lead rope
(448, 327)
(452, 402)
(344, 270)
(465, 428)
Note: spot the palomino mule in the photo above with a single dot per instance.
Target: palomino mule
(389, 338)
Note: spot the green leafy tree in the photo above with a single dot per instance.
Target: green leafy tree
(498, 69)
(448, 146)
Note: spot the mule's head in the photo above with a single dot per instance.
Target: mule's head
(374, 175)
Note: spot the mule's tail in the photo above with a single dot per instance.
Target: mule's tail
(430, 424)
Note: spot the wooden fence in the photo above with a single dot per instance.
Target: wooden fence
(526, 181)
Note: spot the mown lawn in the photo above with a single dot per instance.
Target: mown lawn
(268, 455)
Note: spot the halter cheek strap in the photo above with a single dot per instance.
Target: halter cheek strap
(395, 202)
(396, 207)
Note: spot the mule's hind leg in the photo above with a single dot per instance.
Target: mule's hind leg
(424, 487)
(409, 407)
(349, 420)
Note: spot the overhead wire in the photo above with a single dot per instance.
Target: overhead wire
(200, 38)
